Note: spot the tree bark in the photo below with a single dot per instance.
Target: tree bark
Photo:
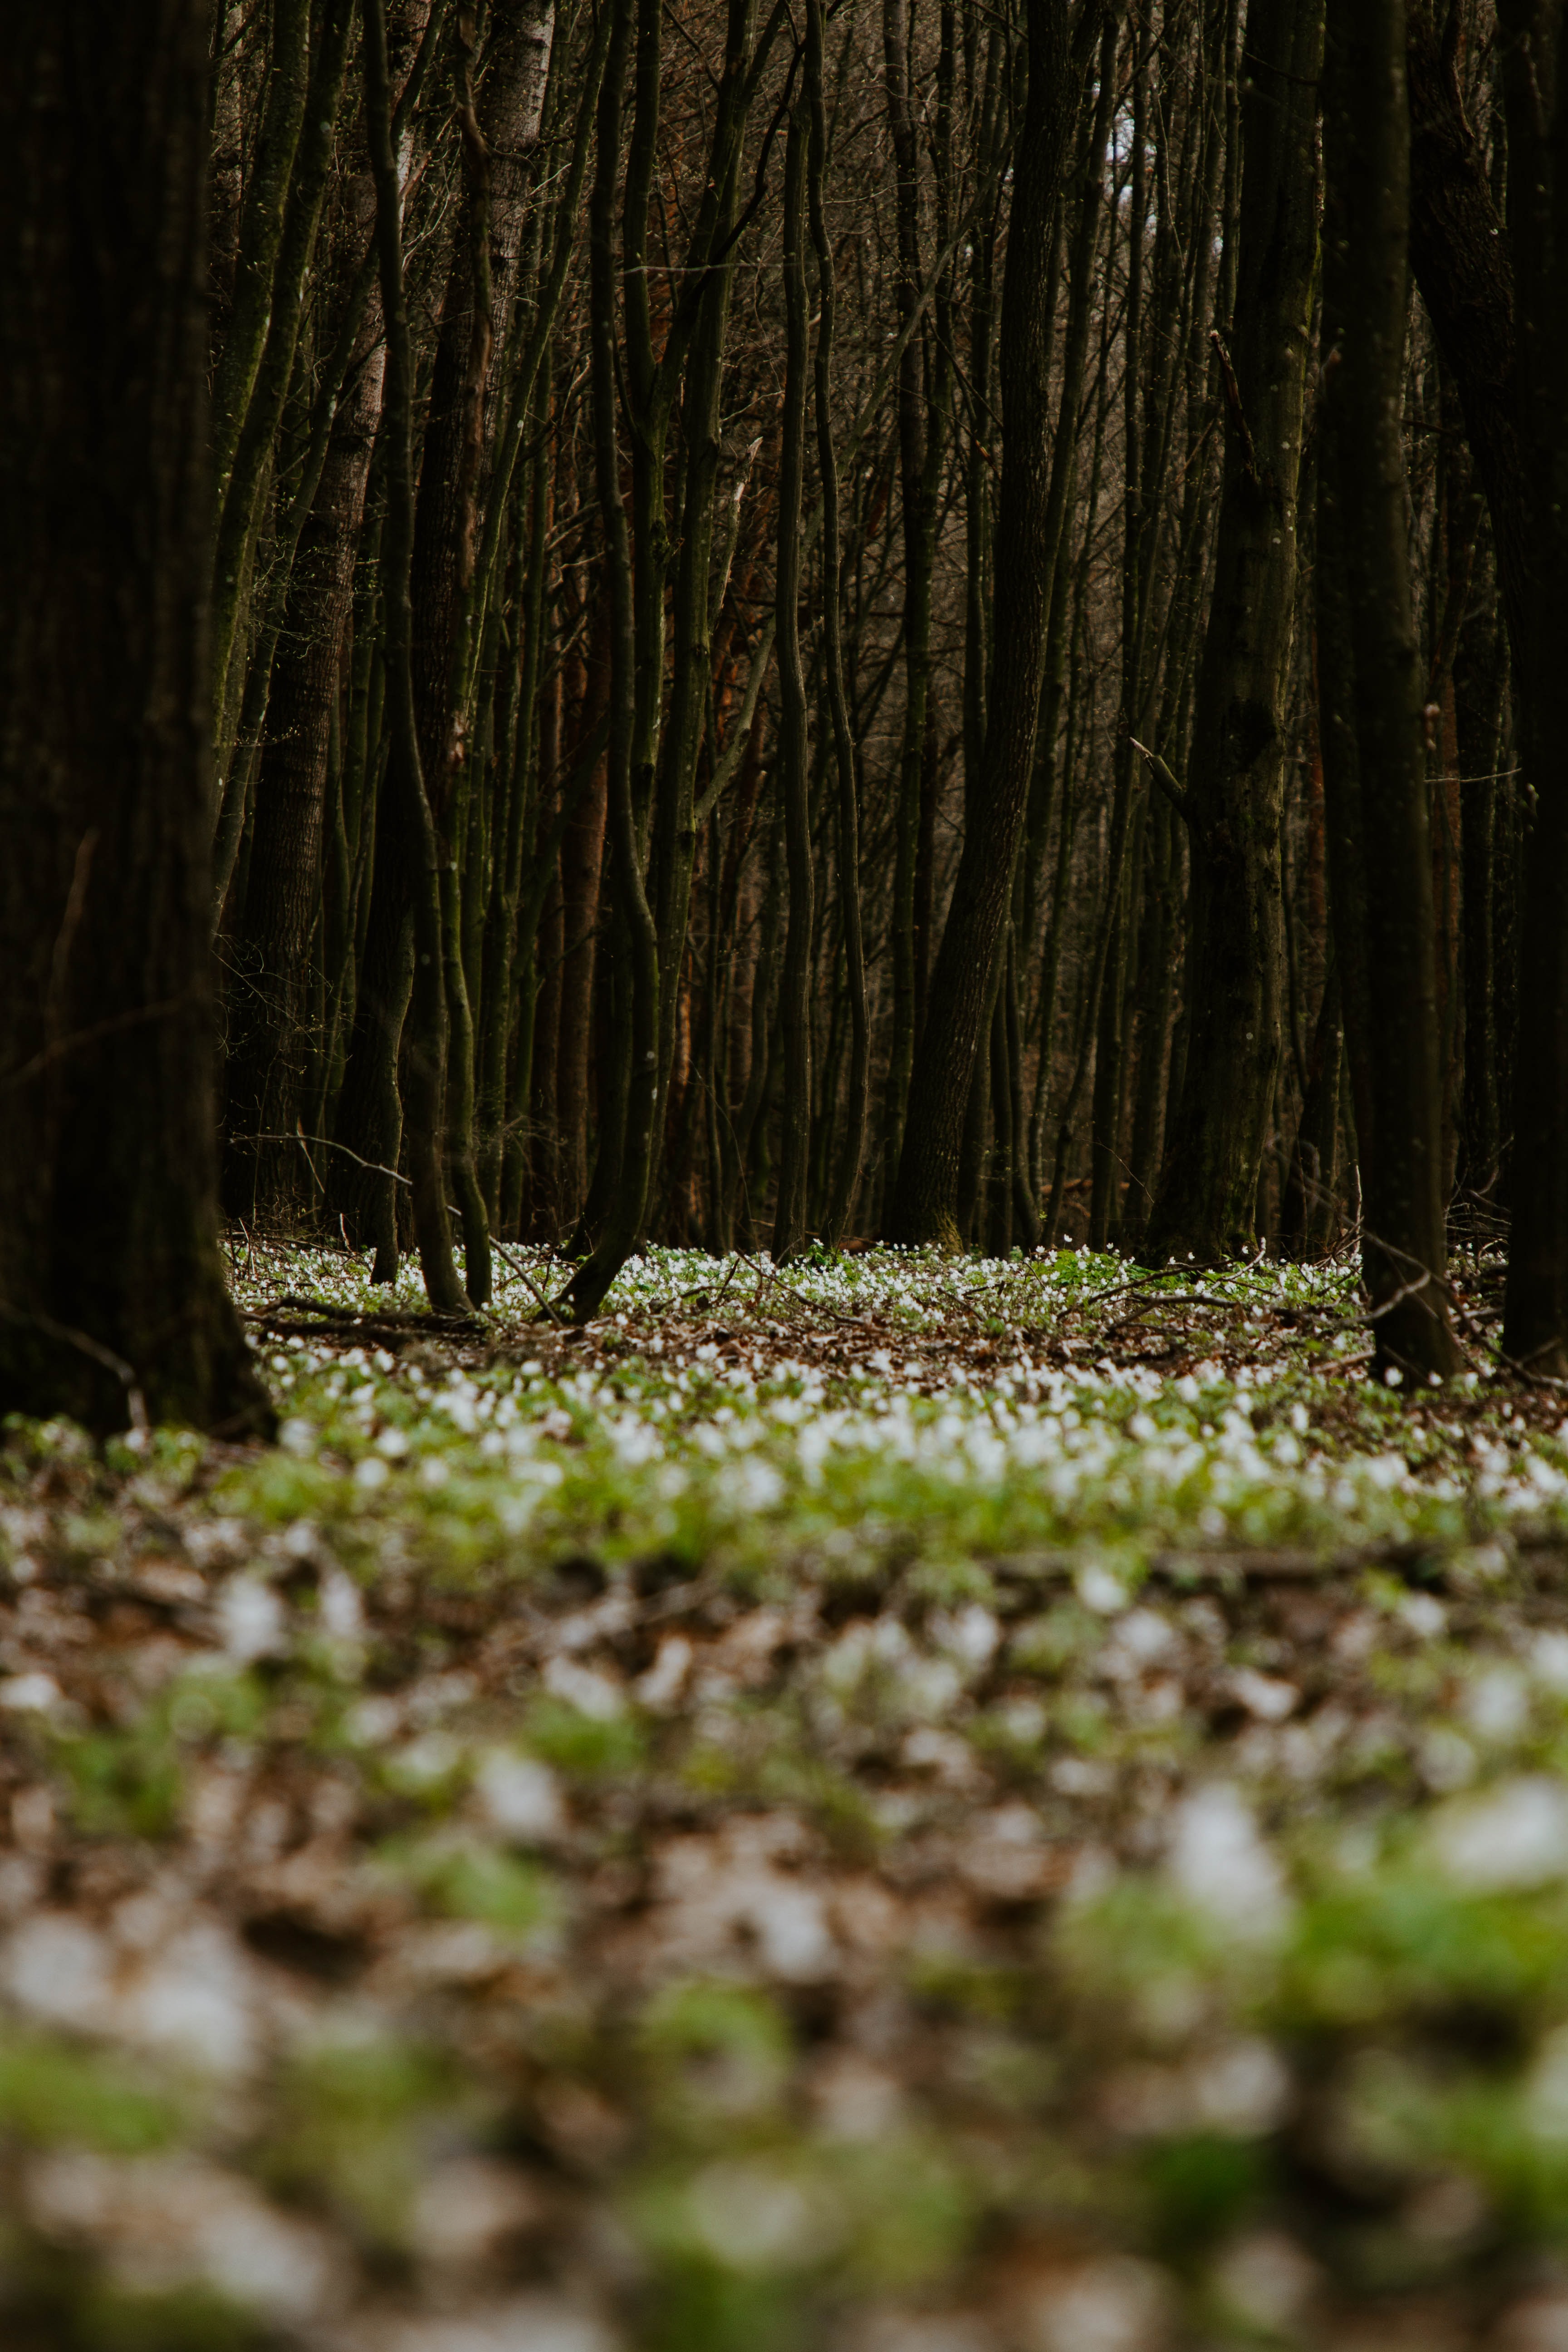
(269, 1046)
(1535, 80)
(618, 1236)
(1495, 292)
(789, 1222)
(1370, 683)
(925, 1198)
(852, 1149)
(113, 1300)
(1208, 1188)
(407, 811)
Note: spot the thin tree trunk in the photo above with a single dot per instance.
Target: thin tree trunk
(852, 1150)
(623, 1224)
(268, 1045)
(407, 804)
(789, 1223)
(242, 481)
(1479, 668)
(1308, 1210)
(916, 424)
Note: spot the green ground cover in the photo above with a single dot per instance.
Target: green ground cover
(914, 1806)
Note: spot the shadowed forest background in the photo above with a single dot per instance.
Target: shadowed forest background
(933, 626)
(725, 624)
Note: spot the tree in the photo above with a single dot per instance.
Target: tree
(1370, 683)
(925, 1197)
(113, 1300)
(1210, 1183)
(1535, 72)
(1495, 284)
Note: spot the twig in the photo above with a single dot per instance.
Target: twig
(1181, 800)
(1233, 402)
(524, 1276)
(328, 1143)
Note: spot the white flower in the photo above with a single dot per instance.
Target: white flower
(590, 1694)
(749, 2218)
(520, 1796)
(30, 1693)
(343, 1611)
(1101, 1591)
(1221, 1864)
(969, 1636)
(1549, 1661)
(1516, 1836)
(1424, 1614)
(1243, 2088)
(1496, 1704)
(250, 1617)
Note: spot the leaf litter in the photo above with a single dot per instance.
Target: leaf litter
(896, 1806)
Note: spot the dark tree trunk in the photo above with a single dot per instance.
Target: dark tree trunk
(268, 1045)
(1479, 667)
(112, 1301)
(1208, 1185)
(925, 1197)
(634, 1158)
(1308, 1211)
(917, 426)
(852, 1148)
(1497, 295)
(1371, 686)
(789, 1224)
(1535, 78)
(406, 816)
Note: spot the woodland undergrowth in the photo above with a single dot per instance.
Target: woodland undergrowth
(903, 1804)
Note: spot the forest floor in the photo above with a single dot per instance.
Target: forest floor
(922, 1806)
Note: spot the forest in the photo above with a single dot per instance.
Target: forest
(783, 1187)
(796, 615)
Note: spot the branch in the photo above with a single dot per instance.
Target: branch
(1237, 413)
(1181, 800)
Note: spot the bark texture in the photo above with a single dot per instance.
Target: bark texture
(113, 1300)
(1208, 1187)
(924, 1204)
(1370, 684)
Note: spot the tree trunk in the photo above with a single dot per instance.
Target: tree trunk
(789, 1224)
(407, 811)
(1479, 667)
(1535, 80)
(267, 1043)
(918, 425)
(113, 1300)
(1370, 681)
(925, 1197)
(1308, 1218)
(623, 1222)
(852, 1149)
(1208, 1185)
